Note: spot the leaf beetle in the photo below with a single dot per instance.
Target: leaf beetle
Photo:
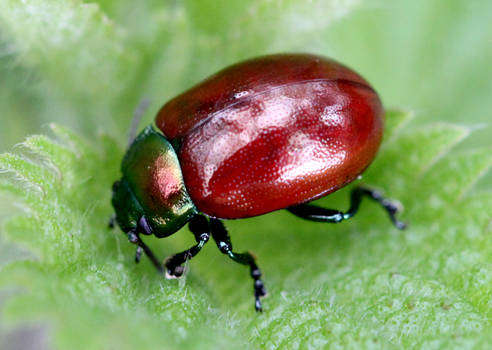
(270, 133)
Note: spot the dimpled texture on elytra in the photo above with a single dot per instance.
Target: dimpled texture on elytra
(273, 132)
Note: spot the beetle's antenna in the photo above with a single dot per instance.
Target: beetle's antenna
(137, 118)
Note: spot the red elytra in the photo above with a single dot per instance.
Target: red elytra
(273, 132)
(266, 134)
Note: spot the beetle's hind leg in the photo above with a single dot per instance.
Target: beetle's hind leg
(315, 213)
(200, 228)
(221, 237)
(390, 206)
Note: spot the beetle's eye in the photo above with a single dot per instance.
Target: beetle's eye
(116, 185)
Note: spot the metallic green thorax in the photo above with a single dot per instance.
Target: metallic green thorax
(152, 186)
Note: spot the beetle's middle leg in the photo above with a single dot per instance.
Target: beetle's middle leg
(315, 213)
(221, 237)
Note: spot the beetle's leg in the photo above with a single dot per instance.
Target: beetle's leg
(315, 213)
(138, 254)
(390, 206)
(200, 228)
(134, 238)
(112, 221)
(221, 237)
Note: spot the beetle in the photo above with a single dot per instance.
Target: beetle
(270, 133)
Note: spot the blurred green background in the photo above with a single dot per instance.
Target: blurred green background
(87, 65)
(431, 56)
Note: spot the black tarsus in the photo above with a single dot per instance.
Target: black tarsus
(315, 213)
(138, 254)
(223, 241)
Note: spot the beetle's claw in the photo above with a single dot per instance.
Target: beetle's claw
(394, 207)
(258, 306)
(175, 273)
(400, 225)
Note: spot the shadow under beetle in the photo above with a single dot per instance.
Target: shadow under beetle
(271, 133)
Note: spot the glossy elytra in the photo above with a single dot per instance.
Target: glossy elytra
(271, 133)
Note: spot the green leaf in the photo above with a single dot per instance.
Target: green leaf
(349, 285)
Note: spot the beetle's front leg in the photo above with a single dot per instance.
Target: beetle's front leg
(112, 221)
(221, 237)
(138, 254)
(134, 237)
(200, 228)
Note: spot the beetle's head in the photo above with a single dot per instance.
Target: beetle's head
(151, 196)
